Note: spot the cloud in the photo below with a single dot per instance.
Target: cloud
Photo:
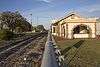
(94, 8)
(46, 1)
(90, 10)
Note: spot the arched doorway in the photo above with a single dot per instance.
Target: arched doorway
(81, 31)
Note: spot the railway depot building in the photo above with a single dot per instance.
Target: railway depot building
(74, 26)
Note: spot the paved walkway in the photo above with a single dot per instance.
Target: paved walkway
(49, 58)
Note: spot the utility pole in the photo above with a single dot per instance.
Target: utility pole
(37, 20)
(31, 20)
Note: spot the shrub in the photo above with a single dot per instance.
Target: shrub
(6, 34)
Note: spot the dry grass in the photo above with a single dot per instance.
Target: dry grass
(80, 52)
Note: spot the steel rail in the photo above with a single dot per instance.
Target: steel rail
(6, 53)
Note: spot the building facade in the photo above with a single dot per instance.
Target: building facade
(74, 26)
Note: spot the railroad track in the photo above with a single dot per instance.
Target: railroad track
(14, 42)
(8, 51)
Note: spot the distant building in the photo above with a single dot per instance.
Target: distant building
(75, 26)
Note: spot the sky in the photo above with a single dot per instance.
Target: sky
(43, 11)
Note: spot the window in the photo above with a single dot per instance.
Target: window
(53, 29)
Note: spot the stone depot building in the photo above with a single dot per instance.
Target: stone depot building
(75, 26)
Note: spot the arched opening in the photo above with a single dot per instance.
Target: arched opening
(81, 31)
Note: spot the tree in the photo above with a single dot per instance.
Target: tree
(6, 34)
(14, 20)
(40, 28)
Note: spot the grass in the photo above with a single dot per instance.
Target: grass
(80, 52)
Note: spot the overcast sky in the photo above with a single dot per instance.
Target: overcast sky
(43, 11)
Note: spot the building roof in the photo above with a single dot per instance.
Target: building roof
(70, 16)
